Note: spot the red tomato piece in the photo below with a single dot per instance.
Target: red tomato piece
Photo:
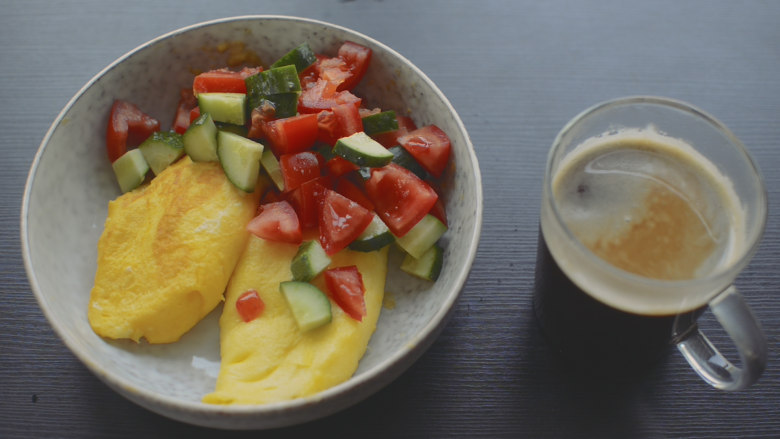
(323, 96)
(298, 168)
(187, 103)
(249, 305)
(357, 58)
(438, 211)
(354, 193)
(405, 124)
(400, 198)
(338, 166)
(430, 146)
(305, 200)
(223, 81)
(327, 127)
(348, 119)
(276, 222)
(345, 287)
(292, 134)
(341, 220)
(127, 126)
(194, 114)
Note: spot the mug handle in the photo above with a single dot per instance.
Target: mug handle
(740, 324)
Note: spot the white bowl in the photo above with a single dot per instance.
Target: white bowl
(71, 182)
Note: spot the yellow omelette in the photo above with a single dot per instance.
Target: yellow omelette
(167, 252)
(269, 359)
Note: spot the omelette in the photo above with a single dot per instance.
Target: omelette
(269, 359)
(167, 252)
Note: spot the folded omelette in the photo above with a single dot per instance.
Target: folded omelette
(269, 359)
(167, 252)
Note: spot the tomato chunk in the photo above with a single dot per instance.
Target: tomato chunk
(400, 198)
(127, 125)
(223, 81)
(249, 305)
(276, 222)
(430, 146)
(348, 119)
(305, 200)
(345, 287)
(341, 220)
(354, 193)
(187, 103)
(357, 58)
(338, 166)
(292, 134)
(298, 168)
(324, 96)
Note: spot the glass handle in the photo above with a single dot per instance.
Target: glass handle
(740, 324)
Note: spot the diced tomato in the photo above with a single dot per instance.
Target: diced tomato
(354, 193)
(298, 168)
(405, 124)
(324, 96)
(292, 134)
(345, 287)
(341, 220)
(334, 70)
(438, 211)
(271, 196)
(304, 200)
(194, 114)
(365, 112)
(430, 146)
(187, 103)
(327, 127)
(357, 58)
(250, 306)
(223, 81)
(127, 126)
(348, 119)
(338, 166)
(400, 198)
(310, 76)
(276, 222)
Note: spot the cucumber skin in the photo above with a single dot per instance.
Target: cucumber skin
(369, 240)
(301, 57)
(309, 253)
(201, 130)
(401, 157)
(345, 148)
(161, 149)
(422, 236)
(428, 266)
(379, 123)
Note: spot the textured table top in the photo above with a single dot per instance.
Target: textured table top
(516, 72)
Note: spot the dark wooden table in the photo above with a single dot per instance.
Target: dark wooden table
(516, 72)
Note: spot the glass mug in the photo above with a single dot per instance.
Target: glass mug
(650, 209)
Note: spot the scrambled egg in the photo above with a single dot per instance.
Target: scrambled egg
(167, 252)
(269, 359)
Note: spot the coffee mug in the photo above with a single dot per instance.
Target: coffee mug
(650, 209)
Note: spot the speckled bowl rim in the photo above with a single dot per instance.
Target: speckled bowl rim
(289, 412)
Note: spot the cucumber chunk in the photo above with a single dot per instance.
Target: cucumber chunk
(427, 266)
(301, 57)
(363, 150)
(272, 168)
(422, 236)
(224, 107)
(274, 90)
(240, 159)
(379, 123)
(200, 139)
(309, 305)
(130, 170)
(309, 261)
(376, 236)
(401, 157)
(279, 105)
(161, 149)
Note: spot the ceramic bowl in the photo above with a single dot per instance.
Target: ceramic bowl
(71, 182)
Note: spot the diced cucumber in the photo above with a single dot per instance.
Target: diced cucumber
(309, 261)
(224, 107)
(427, 266)
(379, 123)
(401, 157)
(362, 150)
(161, 149)
(376, 236)
(309, 305)
(279, 105)
(130, 170)
(200, 139)
(422, 236)
(277, 88)
(301, 57)
(240, 159)
(272, 168)
(241, 130)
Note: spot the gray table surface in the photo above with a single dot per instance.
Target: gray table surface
(516, 71)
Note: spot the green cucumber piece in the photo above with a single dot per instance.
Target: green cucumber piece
(200, 139)
(224, 107)
(422, 236)
(240, 159)
(379, 123)
(401, 157)
(309, 261)
(272, 168)
(161, 149)
(279, 105)
(427, 266)
(301, 57)
(310, 307)
(130, 170)
(376, 236)
(362, 150)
